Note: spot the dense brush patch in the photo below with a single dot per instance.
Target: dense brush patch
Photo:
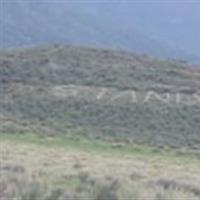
(98, 101)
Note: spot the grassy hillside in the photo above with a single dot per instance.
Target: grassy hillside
(82, 123)
(89, 92)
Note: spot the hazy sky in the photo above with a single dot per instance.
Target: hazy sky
(172, 22)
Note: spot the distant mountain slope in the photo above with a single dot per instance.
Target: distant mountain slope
(99, 93)
(29, 23)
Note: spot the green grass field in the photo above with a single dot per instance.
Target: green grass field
(89, 168)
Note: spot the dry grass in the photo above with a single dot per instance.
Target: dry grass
(90, 172)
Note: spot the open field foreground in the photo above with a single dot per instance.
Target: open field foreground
(64, 168)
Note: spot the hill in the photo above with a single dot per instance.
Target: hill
(102, 94)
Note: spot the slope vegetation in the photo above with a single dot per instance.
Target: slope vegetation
(100, 94)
